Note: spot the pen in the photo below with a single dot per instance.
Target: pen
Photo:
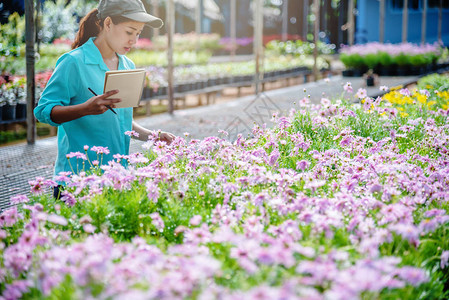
(97, 95)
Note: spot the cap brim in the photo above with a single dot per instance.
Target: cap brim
(148, 19)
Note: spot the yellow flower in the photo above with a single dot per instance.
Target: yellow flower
(403, 114)
(431, 103)
(421, 98)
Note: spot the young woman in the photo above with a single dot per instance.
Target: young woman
(105, 35)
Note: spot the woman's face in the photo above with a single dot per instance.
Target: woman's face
(123, 36)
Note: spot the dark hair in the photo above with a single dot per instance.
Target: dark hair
(91, 26)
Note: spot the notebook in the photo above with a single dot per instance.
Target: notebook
(129, 83)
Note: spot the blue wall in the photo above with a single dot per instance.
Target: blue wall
(367, 23)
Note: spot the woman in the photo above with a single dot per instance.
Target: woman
(106, 34)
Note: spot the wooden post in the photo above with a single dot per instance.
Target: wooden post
(305, 17)
(316, 31)
(424, 23)
(382, 21)
(155, 7)
(285, 20)
(233, 28)
(258, 40)
(405, 21)
(31, 84)
(170, 34)
(351, 23)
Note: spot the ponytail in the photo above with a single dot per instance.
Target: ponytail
(90, 26)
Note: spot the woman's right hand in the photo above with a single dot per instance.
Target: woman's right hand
(97, 105)
(94, 106)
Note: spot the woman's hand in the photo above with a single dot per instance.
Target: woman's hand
(166, 137)
(98, 104)
(94, 106)
(144, 134)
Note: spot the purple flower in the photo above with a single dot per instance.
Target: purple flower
(157, 221)
(302, 165)
(195, 220)
(19, 199)
(444, 260)
(77, 155)
(132, 133)
(56, 219)
(413, 275)
(9, 217)
(68, 198)
(348, 88)
(152, 191)
(100, 150)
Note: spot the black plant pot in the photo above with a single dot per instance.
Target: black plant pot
(21, 111)
(162, 91)
(403, 71)
(9, 112)
(370, 81)
(347, 73)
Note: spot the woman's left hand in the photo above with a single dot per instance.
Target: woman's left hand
(166, 137)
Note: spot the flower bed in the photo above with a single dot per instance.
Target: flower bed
(391, 59)
(338, 201)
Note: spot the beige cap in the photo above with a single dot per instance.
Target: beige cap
(131, 9)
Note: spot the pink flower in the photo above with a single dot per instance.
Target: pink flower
(302, 165)
(195, 220)
(68, 198)
(100, 150)
(77, 155)
(57, 219)
(9, 217)
(152, 191)
(132, 133)
(348, 88)
(361, 93)
(19, 199)
(413, 275)
(405, 92)
(157, 221)
(444, 259)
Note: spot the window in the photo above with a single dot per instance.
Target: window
(412, 4)
(436, 4)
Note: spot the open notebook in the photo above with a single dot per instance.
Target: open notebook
(129, 83)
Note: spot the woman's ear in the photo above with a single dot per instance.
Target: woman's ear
(107, 23)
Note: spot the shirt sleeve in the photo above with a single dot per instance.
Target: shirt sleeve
(60, 89)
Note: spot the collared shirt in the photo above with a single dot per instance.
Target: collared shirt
(75, 72)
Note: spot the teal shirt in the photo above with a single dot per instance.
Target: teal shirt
(74, 73)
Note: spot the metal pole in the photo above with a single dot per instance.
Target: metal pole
(155, 5)
(258, 43)
(233, 28)
(31, 85)
(382, 21)
(316, 10)
(198, 23)
(170, 34)
(305, 29)
(440, 21)
(404, 21)
(424, 23)
(351, 23)
(285, 20)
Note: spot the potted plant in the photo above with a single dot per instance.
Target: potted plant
(403, 62)
(385, 61)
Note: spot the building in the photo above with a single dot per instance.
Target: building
(434, 17)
